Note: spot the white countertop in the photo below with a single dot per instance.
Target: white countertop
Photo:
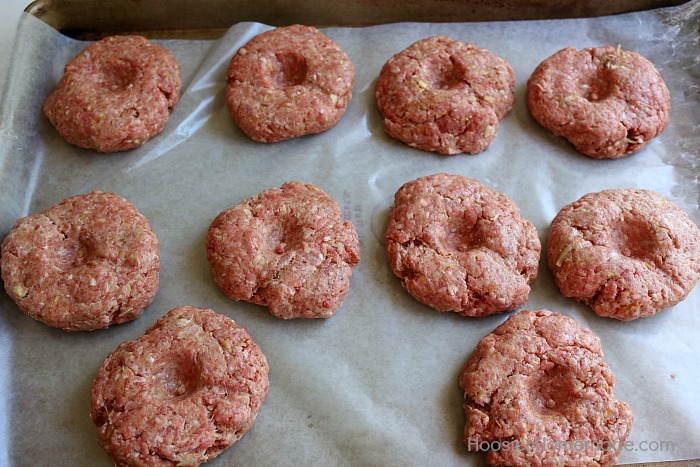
(10, 11)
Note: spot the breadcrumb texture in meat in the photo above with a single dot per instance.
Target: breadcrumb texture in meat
(90, 261)
(460, 246)
(444, 95)
(607, 102)
(288, 82)
(115, 95)
(540, 378)
(627, 253)
(182, 393)
(285, 248)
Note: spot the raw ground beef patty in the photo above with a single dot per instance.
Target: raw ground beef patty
(286, 248)
(85, 263)
(443, 95)
(606, 101)
(460, 246)
(537, 392)
(627, 253)
(115, 95)
(182, 393)
(288, 82)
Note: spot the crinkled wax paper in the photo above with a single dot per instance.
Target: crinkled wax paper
(376, 384)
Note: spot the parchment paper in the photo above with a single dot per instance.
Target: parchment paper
(376, 384)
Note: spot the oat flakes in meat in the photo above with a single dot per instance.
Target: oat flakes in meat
(606, 101)
(288, 82)
(182, 393)
(537, 392)
(90, 261)
(460, 246)
(286, 248)
(445, 96)
(115, 95)
(627, 253)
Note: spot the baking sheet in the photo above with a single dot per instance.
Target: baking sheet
(376, 384)
(185, 19)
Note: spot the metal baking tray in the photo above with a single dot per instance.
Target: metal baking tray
(211, 19)
(89, 19)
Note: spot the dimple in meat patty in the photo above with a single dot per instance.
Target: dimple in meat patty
(443, 95)
(288, 82)
(180, 394)
(286, 248)
(460, 246)
(607, 102)
(627, 253)
(115, 95)
(90, 261)
(538, 392)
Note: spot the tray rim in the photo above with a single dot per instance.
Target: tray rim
(90, 20)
